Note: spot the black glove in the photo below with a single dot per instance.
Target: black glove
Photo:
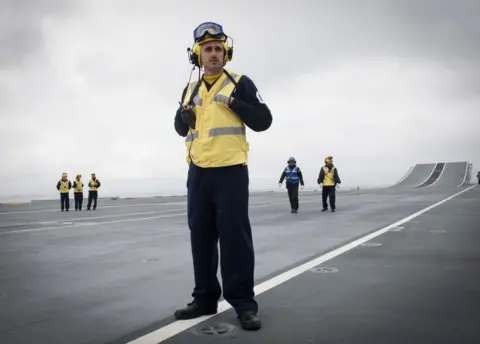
(188, 116)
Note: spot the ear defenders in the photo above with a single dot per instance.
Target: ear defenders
(195, 54)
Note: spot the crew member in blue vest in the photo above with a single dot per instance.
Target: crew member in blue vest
(294, 178)
(213, 116)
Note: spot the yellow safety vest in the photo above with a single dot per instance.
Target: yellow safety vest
(93, 185)
(328, 180)
(219, 138)
(79, 187)
(64, 186)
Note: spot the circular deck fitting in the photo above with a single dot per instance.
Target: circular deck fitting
(371, 244)
(324, 270)
(150, 260)
(437, 231)
(397, 229)
(219, 329)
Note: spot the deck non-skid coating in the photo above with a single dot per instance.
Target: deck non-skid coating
(121, 271)
(417, 285)
(417, 176)
(453, 175)
(437, 172)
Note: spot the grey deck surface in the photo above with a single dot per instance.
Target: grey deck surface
(121, 271)
(417, 176)
(419, 286)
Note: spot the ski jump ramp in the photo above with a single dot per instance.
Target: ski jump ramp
(440, 174)
(454, 174)
(434, 176)
(418, 175)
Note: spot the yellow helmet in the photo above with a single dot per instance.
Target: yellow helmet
(208, 32)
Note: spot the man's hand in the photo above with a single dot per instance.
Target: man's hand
(188, 116)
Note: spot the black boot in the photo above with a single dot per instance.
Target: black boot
(195, 310)
(249, 321)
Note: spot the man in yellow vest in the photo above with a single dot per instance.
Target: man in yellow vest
(328, 179)
(64, 186)
(78, 192)
(213, 116)
(93, 185)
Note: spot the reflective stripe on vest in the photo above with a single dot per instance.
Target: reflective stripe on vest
(219, 138)
(329, 179)
(218, 131)
(292, 175)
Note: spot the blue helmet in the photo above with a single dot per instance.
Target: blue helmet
(291, 159)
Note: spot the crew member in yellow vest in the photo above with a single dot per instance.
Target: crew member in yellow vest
(213, 116)
(328, 179)
(78, 192)
(93, 185)
(64, 186)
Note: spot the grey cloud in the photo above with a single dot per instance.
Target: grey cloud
(20, 27)
(322, 32)
(442, 27)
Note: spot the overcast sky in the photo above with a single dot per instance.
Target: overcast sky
(92, 86)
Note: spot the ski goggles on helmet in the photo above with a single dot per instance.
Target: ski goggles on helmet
(210, 29)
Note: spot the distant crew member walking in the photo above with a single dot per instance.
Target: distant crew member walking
(78, 192)
(93, 185)
(328, 179)
(478, 177)
(64, 186)
(294, 177)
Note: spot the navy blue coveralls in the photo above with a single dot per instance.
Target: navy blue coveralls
(218, 211)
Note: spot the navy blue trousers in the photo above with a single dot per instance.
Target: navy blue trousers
(218, 212)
